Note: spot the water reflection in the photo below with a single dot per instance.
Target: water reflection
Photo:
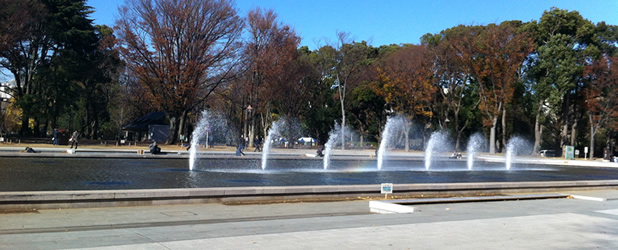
(27, 174)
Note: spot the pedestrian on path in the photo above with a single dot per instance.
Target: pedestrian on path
(74, 139)
(241, 147)
(55, 138)
(258, 145)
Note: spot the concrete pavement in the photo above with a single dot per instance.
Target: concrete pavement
(524, 224)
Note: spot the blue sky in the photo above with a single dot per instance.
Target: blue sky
(390, 22)
(395, 21)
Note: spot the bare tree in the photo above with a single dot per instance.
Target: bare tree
(180, 50)
(271, 52)
(350, 60)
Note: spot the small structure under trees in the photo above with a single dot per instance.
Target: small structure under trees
(147, 127)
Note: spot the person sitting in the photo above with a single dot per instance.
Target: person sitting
(320, 151)
(154, 149)
(456, 155)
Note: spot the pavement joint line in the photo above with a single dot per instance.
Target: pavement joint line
(478, 198)
(171, 223)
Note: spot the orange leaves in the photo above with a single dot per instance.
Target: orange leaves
(493, 55)
(600, 94)
(276, 70)
(406, 80)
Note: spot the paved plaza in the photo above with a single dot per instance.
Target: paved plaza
(526, 224)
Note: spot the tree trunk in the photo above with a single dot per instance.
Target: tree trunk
(406, 132)
(504, 142)
(574, 132)
(341, 90)
(24, 125)
(362, 141)
(563, 135)
(591, 156)
(457, 139)
(538, 133)
(407, 138)
(251, 132)
(565, 120)
(95, 129)
(264, 127)
(54, 121)
(173, 134)
(458, 136)
(37, 128)
(342, 125)
(492, 136)
(181, 125)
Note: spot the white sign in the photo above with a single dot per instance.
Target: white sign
(586, 150)
(386, 188)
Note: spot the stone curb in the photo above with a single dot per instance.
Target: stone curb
(106, 198)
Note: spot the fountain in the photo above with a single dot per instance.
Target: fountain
(333, 138)
(474, 145)
(273, 132)
(437, 140)
(514, 145)
(393, 125)
(120, 173)
(198, 133)
(99, 171)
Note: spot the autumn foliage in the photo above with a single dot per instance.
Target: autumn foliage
(553, 79)
(179, 50)
(406, 81)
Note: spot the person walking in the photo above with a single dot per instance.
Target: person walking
(74, 139)
(55, 134)
(258, 145)
(241, 147)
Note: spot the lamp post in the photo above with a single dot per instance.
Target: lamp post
(247, 112)
(207, 126)
(250, 122)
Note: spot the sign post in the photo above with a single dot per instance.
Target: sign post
(585, 152)
(386, 188)
(570, 152)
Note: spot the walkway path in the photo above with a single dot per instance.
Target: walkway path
(529, 224)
